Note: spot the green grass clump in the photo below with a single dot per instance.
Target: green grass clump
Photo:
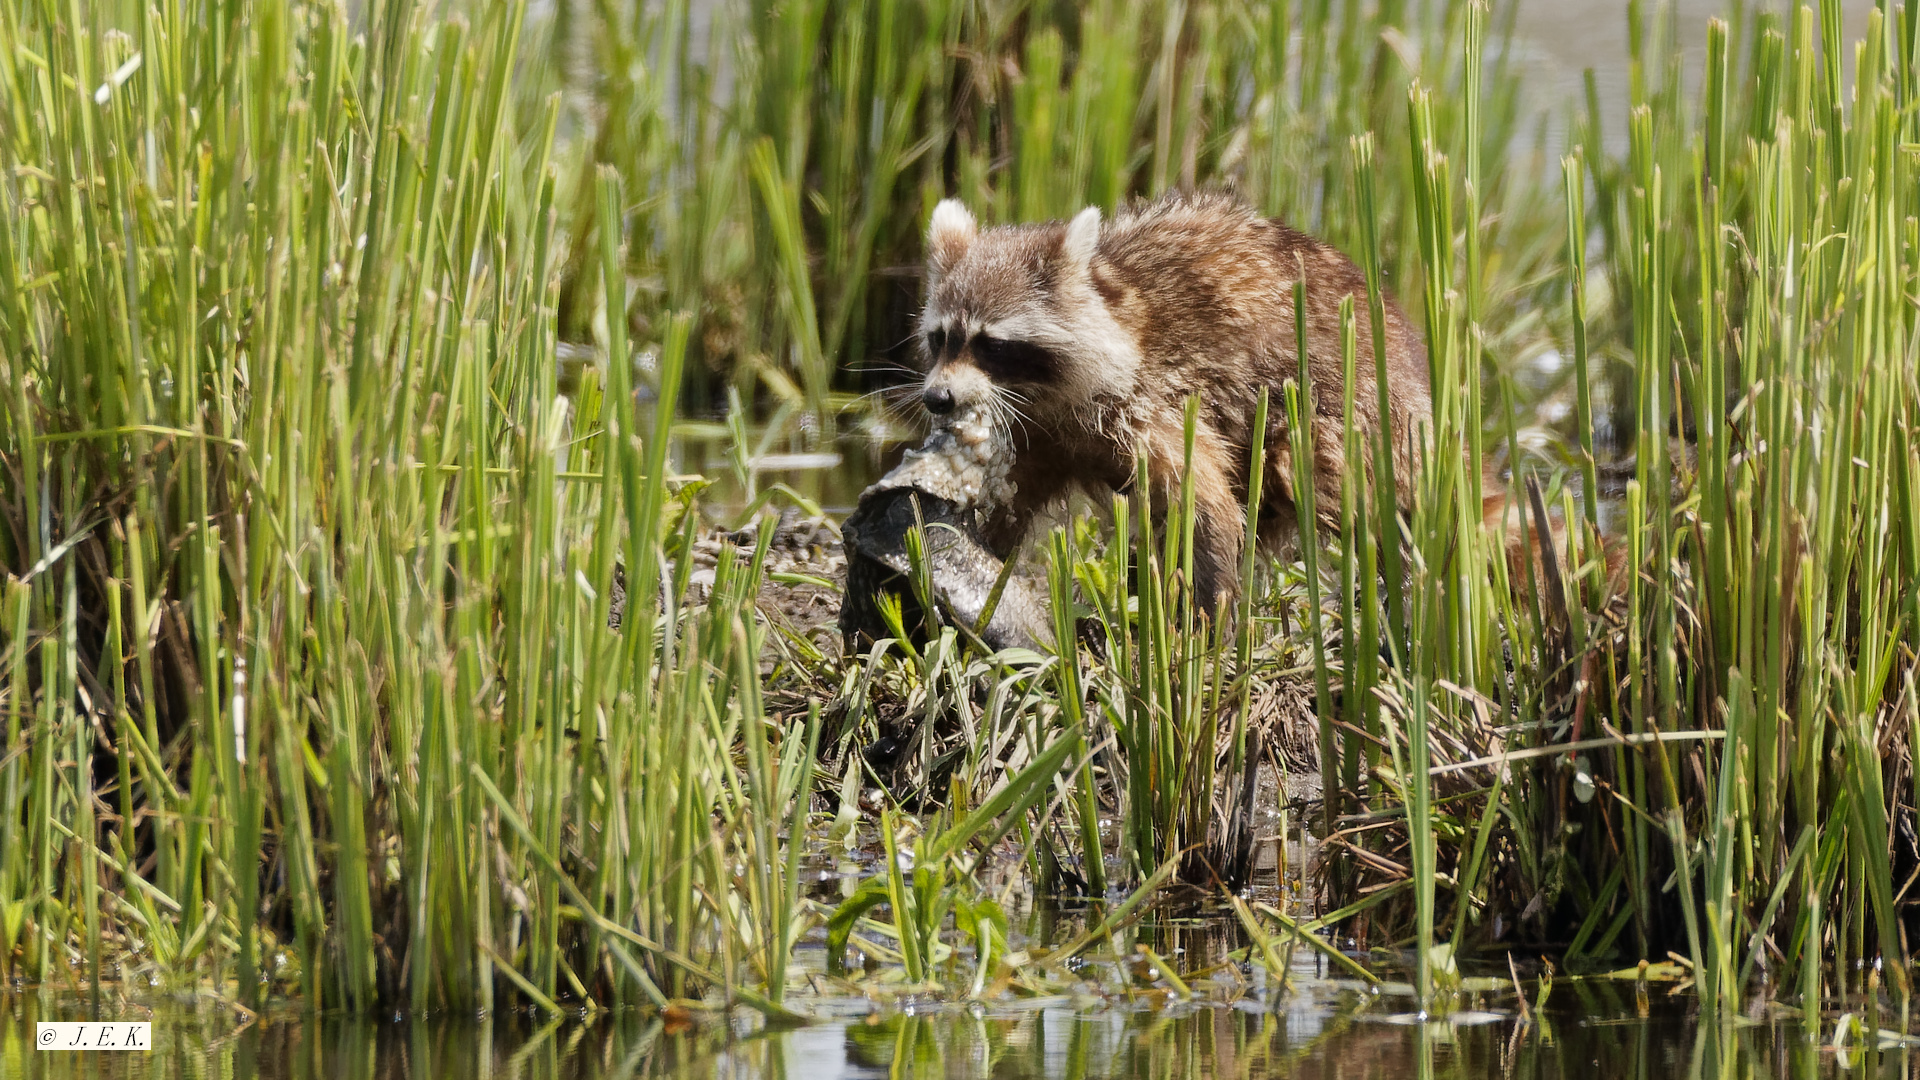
(1734, 710)
(310, 683)
(311, 541)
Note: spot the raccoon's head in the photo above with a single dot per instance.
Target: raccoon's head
(1014, 320)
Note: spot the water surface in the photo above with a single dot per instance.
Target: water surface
(1326, 1029)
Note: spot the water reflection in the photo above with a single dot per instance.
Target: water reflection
(1329, 1031)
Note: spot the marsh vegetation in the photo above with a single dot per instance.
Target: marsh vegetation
(350, 364)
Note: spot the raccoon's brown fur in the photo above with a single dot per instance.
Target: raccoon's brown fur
(1089, 335)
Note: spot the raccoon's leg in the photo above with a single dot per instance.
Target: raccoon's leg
(1219, 522)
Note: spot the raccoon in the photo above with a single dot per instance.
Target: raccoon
(1086, 337)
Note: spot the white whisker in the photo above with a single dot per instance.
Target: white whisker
(891, 369)
(1007, 413)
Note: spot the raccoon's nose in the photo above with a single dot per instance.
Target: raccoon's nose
(938, 400)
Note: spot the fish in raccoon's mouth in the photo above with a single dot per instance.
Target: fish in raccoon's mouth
(957, 476)
(965, 460)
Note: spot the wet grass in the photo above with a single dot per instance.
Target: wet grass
(315, 538)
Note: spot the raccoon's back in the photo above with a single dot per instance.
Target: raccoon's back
(1206, 284)
(1189, 271)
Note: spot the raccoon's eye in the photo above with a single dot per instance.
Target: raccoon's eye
(1013, 360)
(937, 343)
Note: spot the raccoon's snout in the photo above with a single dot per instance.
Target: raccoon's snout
(952, 388)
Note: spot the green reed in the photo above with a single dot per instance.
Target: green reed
(290, 321)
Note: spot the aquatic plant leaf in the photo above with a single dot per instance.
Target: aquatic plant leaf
(871, 894)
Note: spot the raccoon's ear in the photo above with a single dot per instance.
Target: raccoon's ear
(949, 235)
(1083, 236)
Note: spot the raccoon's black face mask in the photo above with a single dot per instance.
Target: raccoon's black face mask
(1004, 360)
(964, 370)
(1011, 360)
